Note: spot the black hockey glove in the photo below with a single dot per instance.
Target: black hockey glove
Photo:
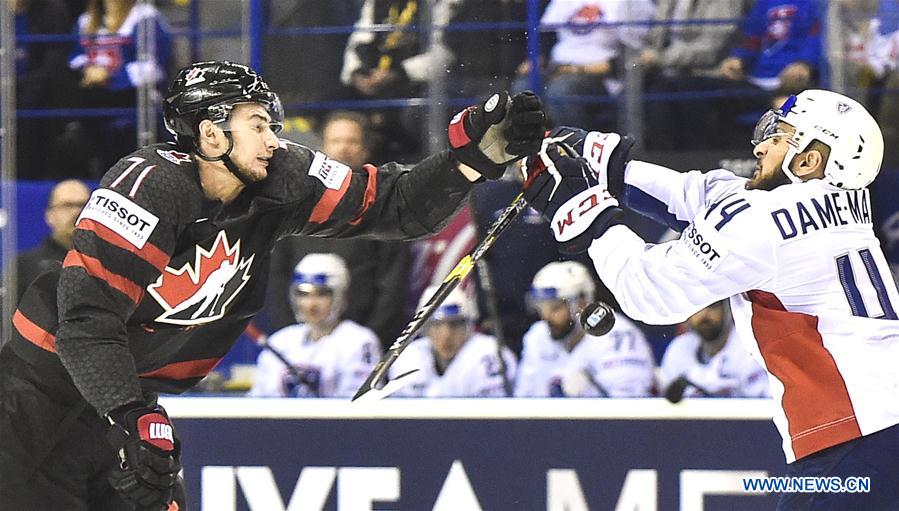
(150, 455)
(498, 131)
(569, 191)
(608, 163)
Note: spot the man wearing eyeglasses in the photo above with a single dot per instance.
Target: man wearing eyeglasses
(66, 200)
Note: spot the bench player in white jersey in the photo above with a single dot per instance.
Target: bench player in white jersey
(329, 356)
(794, 250)
(452, 359)
(560, 359)
(709, 359)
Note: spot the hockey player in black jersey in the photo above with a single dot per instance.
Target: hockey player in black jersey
(169, 265)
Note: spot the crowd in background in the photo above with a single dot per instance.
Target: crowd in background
(709, 68)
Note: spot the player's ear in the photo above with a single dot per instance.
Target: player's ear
(209, 132)
(810, 164)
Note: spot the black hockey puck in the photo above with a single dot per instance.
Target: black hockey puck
(597, 318)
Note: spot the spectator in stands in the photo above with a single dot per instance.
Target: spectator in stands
(882, 59)
(710, 360)
(779, 47)
(324, 355)
(65, 203)
(453, 360)
(674, 50)
(397, 64)
(475, 71)
(111, 70)
(42, 79)
(379, 269)
(584, 60)
(289, 70)
(561, 360)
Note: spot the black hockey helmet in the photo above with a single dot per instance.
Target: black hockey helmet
(209, 90)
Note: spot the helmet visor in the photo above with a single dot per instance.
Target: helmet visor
(767, 125)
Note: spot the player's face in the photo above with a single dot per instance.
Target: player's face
(769, 155)
(557, 314)
(448, 336)
(342, 140)
(314, 305)
(709, 322)
(254, 141)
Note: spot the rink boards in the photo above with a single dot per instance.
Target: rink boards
(490, 454)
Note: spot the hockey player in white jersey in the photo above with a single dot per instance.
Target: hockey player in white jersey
(452, 359)
(560, 359)
(710, 360)
(328, 356)
(794, 250)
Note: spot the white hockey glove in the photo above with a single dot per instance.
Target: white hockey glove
(500, 130)
(571, 192)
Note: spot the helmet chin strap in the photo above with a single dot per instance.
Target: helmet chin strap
(226, 159)
(785, 166)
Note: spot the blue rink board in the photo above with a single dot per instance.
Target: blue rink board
(505, 460)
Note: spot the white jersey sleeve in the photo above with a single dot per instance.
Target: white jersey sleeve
(712, 260)
(674, 198)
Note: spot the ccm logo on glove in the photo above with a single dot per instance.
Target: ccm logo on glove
(156, 430)
(579, 212)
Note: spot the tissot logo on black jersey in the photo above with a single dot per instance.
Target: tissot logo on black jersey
(200, 292)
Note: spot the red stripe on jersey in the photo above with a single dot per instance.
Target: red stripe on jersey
(33, 333)
(328, 201)
(183, 370)
(95, 268)
(150, 253)
(371, 190)
(815, 400)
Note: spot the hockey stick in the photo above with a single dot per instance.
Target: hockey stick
(261, 339)
(375, 383)
(675, 391)
(485, 277)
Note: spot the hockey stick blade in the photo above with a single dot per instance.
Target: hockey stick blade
(392, 386)
(376, 380)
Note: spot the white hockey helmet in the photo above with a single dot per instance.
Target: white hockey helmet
(562, 280)
(321, 271)
(841, 123)
(457, 305)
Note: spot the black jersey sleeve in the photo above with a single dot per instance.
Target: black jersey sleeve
(123, 240)
(323, 197)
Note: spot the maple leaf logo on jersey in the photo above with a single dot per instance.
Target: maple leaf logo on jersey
(200, 292)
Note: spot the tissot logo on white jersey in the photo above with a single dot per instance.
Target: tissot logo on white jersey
(704, 242)
(330, 172)
(121, 215)
(200, 292)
